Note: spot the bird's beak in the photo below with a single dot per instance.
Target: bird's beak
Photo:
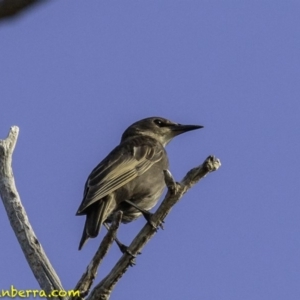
(179, 128)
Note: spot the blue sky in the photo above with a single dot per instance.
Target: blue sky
(75, 75)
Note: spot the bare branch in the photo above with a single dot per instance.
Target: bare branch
(32, 249)
(175, 192)
(88, 277)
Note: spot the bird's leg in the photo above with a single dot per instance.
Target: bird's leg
(123, 248)
(147, 214)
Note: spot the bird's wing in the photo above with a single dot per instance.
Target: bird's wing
(121, 166)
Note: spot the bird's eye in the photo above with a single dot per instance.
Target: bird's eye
(158, 122)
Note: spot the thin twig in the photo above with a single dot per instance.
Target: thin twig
(88, 277)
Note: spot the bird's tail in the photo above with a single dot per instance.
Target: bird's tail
(95, 216)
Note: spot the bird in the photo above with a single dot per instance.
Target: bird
(130, 178)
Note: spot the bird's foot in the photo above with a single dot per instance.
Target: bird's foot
(125, 249)
(148, 215)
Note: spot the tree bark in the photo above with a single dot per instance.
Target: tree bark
(32, 249)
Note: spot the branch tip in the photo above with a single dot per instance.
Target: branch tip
(212, 163)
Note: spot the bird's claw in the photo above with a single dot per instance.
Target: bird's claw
(125, 249)
(161, 224)
(133, 257)
(148, 217)
(130, 253)
(132, 262)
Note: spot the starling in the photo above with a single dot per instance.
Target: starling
(131, 177)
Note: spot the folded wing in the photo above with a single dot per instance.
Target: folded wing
(121, 166)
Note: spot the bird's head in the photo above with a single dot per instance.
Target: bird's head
(158, 128)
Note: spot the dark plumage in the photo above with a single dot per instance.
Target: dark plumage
(132, 171)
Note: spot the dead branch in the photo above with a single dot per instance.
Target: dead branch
(32, 249)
